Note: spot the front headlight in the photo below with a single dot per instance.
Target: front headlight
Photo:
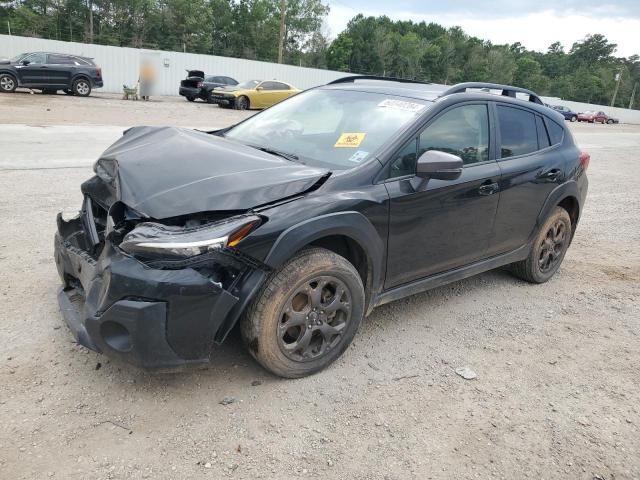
(155, 240)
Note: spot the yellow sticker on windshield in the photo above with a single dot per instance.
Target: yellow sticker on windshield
(350, 140)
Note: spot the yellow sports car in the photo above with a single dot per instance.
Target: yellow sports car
(253, 94)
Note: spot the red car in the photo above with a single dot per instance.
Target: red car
(596, 117)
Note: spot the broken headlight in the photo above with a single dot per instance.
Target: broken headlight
(155, 240)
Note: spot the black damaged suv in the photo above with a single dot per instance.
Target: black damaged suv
(300, 220)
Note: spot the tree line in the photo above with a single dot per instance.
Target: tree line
(250, 29)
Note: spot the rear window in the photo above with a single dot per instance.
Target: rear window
(518, 132)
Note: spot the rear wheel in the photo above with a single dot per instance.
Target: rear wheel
(609, 121)
(8, 83)
(81, 87)
(191, 99)
(306, 315)
(241, 103)
(549, 249)
(574, 118)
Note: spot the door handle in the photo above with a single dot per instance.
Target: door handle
(551, 175)
(488, 188)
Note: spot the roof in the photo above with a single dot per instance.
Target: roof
(386, 86)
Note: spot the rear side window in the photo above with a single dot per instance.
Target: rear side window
(518, 132)
(556, 132)
(543, 138)
(60, 60)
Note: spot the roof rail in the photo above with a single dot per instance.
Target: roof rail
(353, 78)
(507, 90)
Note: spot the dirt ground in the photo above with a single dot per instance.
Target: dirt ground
(556, 396)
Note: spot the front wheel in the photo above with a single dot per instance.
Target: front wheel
(574, 118)
(8, 83)
(241, 103)
(306, 314)
(81, 87)
(549, 249)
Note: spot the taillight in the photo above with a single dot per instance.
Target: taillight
(99, 71)
(585, 158)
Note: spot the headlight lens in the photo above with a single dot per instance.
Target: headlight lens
(155, 240)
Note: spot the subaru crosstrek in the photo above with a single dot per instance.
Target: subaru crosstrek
(300, 220)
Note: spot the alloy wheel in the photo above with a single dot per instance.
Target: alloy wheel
(552, 246)
(82, 88)
(7, 84)
(314, 318)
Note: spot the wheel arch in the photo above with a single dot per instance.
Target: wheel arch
(79, 76)
(565, 196)
(349, 234)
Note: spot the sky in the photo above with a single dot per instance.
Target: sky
(535, 24)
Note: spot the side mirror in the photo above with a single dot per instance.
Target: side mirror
(259, 88)
(25, 62)
(440, 165)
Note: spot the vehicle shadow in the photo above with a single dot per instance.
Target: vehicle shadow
(231, 363)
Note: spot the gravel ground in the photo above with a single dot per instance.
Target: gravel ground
(556, 393)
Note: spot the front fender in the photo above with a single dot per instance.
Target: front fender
(349, 224)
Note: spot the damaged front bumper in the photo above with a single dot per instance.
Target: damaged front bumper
(152, 317)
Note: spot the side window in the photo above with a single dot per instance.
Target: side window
(274, 86)
(404, 162)
(280, 86)
(543, 138)
(462, 131)
(37, 58)
(60, 60)
(556, 132)
(518, 131)
(230, 81)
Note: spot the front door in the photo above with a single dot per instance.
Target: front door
(437, 225)
(272, 93)
(35, 73)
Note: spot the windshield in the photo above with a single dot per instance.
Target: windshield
(248, 85)
(335, 128)
(17, 58)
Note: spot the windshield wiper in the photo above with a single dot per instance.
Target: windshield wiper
(288, 156)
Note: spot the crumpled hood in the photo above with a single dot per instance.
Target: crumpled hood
(163, 172)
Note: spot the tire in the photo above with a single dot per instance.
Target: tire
(316, 337)
(574, 118)
(549, 249)
(241, 103)
(609, 122)
(81, 87)
(191, 99)
(8, 83)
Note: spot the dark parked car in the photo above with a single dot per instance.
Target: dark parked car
(566, 112)
(300, 220)
(199, 85)
(596, 117)
(50, 72)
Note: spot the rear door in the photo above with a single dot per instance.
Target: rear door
(60, 69)
(437, 225)
(531, 166)
(35, 73)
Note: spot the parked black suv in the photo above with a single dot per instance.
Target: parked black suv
(197, 85)
(50, 72)
(300, 220)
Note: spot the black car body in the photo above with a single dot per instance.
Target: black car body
(50, 72)
(199, 85)
(404, 220)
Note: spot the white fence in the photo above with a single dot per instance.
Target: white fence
(120, 66)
